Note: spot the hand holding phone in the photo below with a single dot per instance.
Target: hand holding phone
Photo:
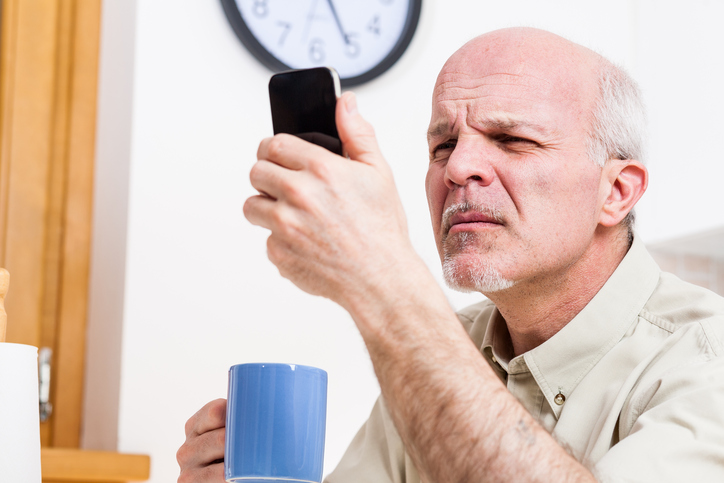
(303, 103)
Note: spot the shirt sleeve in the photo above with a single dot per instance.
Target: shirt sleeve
(673, 430)
(376, 454)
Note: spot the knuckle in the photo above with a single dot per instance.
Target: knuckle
(262, 149)
(220, 438)
(281, 220)
(278, 253)
(247, 209)
(217, 410)
(321, 169)
(182, 455)
(275, 147)
(292, 191)
(273, 250)
(189, 476)
(367, 129)
(190, 424)
(254, 172)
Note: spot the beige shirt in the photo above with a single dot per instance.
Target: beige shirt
(633, 386)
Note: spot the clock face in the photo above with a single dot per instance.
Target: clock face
(359, 38)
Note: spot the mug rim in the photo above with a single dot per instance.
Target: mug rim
(293, 367)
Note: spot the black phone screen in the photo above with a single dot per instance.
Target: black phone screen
(303, 103)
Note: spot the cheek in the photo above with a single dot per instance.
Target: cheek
(566, 199)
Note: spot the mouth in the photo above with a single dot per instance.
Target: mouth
(472, 225)
(465, 217)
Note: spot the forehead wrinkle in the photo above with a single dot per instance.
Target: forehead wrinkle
(450, 82)
(532, 96)
(486, 117)
(505, 122)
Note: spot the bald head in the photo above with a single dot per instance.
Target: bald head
(527, 49)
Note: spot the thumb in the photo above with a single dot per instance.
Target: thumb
(357, 135)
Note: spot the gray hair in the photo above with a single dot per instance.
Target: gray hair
(618, 126)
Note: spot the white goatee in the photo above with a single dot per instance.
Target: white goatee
(466, 275)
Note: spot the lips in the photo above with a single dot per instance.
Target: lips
(472, 225)
(468, 216)
(471, 217)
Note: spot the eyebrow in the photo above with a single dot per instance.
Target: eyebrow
(500, 124)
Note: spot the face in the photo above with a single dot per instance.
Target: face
(513, 197)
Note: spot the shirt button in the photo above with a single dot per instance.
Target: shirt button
(559, 399)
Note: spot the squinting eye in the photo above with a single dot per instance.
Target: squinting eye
(513, 139)
(444, 146)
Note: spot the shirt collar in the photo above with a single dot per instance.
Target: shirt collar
(560, 363)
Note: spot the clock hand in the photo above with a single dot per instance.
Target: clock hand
(339, 24)
(310, 18)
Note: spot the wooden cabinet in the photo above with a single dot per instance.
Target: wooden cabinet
(48, 89)
(78, 466)
(48, 79)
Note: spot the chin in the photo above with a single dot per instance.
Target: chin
(465, 275)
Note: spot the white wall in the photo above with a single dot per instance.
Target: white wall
(110, 210)
(198, 292)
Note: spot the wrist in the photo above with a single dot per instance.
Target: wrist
(403, 301)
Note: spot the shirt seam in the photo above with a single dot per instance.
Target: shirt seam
(711, 339)
(639, 406)
(657, 321)
(463, 316)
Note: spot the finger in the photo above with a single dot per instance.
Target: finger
(262, 211)
(357, 135)
(202, 450)
(208, 474)
(273, 180)
(290, 151)
(211, 416)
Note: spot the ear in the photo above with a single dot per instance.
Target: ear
(623, 182)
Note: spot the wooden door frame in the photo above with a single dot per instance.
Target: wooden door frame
(48, 90)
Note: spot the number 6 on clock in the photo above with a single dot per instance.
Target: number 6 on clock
(360, 39)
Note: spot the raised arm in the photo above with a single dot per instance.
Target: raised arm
(338, 230)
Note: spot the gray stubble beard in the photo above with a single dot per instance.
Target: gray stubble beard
(469, 276)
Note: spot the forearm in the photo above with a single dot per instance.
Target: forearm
(338, 230)
(456, 418)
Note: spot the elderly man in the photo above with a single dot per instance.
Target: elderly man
(586, 362)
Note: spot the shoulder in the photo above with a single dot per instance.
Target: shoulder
(679, 338)
(682, 308)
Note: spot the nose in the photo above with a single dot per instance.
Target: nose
(470, 162)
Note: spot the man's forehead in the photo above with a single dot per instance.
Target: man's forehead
(517, 72)
(498, 101)
(453, 85)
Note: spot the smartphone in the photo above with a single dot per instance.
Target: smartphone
(303, 103)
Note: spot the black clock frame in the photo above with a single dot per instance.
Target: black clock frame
(275, 65)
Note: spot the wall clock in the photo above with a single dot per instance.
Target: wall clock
(361, 39)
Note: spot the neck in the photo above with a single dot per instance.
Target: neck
(534, 311)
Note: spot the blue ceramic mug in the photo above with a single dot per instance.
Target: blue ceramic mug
(275, 422)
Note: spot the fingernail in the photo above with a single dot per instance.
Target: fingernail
(351, 103)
